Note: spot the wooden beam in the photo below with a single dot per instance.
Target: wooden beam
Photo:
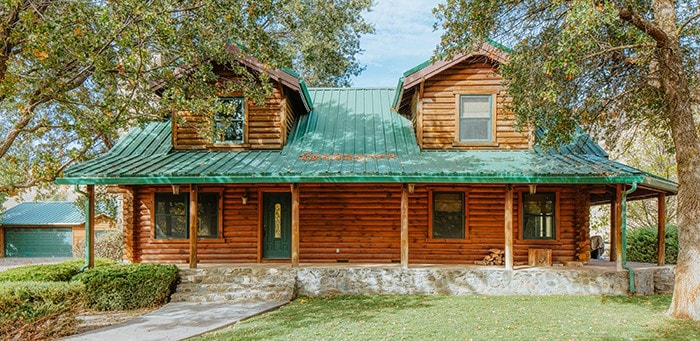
(661, 202)
(618, 227)
(295, 225)
(193, 226)
(509, 227)
(90, 233)
(613, 235)
(404, 226)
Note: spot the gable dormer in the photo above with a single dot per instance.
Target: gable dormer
(246, 125)
(460, 103)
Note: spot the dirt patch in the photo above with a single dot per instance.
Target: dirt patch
(91, 320)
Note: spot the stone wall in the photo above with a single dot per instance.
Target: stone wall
(251, 283)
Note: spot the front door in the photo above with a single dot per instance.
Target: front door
(277, 225)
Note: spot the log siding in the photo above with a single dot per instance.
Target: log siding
(357, 223)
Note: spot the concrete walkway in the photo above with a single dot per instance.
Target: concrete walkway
(180, 320)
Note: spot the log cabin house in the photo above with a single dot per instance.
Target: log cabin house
(431, 172)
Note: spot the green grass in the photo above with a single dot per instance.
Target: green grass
(466, 317)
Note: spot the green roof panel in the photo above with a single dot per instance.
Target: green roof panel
(42, 213)
(351, 135)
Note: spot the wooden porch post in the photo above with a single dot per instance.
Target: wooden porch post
(90, 235)
(509, 227)
(404, 226)
(295, 225)
(618, 227)
(613, 235)
(193, 226)
(661, 202)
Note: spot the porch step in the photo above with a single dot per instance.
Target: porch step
(235, 284)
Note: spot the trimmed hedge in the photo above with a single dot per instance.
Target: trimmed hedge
(39, 310)
(122, 287)
(642, 245)
(61, 272)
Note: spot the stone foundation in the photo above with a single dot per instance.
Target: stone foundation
(250, 284)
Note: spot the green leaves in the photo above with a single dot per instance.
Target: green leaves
(75, 73)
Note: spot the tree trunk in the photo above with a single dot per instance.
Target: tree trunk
(674, 84)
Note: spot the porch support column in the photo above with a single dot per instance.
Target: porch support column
(193, 226)
(613, 235)
(295, 225)
(618, 227)
(90, 226)
(661, 201)
(509, 227)
(404, 226)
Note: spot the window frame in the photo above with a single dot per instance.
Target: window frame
(491, 141)
(465, 213)
(184, 189)
(557, 217)
(217, 134)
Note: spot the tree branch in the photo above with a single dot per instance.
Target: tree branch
(687, 22)
(644, 25)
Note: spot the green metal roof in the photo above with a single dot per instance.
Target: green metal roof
(42, 213)
(350, 136)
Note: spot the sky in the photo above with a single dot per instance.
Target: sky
(403, 38)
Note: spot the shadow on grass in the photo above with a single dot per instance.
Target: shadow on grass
(655, 303)
(304, 312)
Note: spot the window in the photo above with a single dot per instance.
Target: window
(475, 122)
(172, 215)
(448, 215)
(539, 220)
(230, 122)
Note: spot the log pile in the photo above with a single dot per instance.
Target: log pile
(495, 257)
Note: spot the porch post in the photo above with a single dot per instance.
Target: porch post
(661, 202)
(509, 227)
(618, 227)
(193, 226)
(90, 233)
(404, 226)
(295, 225)
(613, 235)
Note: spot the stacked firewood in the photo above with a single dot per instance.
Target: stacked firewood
(495, 257)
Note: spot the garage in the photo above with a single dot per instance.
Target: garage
(38, 242)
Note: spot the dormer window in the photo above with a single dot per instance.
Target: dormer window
(475, 120)
(230, 122)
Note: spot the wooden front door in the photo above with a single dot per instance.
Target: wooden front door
(277, 225)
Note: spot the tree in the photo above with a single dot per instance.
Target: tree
(73, 74)
(602, 65)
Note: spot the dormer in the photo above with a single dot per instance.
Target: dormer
(245, 124)
(460, 103)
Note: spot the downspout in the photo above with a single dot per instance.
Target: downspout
(624, 236)
(87, 228)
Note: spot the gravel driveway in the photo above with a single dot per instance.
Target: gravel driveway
(12, 262)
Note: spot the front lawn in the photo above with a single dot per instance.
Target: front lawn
(466, 317)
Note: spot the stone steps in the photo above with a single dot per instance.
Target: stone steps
(235, 285)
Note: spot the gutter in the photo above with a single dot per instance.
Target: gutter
(87, 229)
(624, 236)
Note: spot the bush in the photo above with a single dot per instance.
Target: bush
(642, 245)
(39, 310)
(107, 245)
(60, 272)
(121, 287)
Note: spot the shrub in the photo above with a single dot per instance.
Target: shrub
(39, 310)
(642, 245)
(60, 272)
(107, 245)
(121, 287)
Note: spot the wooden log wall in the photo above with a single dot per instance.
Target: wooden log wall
(438, 111)
(355, 223)
(358, 223)
(265, 126)
(582, 213)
